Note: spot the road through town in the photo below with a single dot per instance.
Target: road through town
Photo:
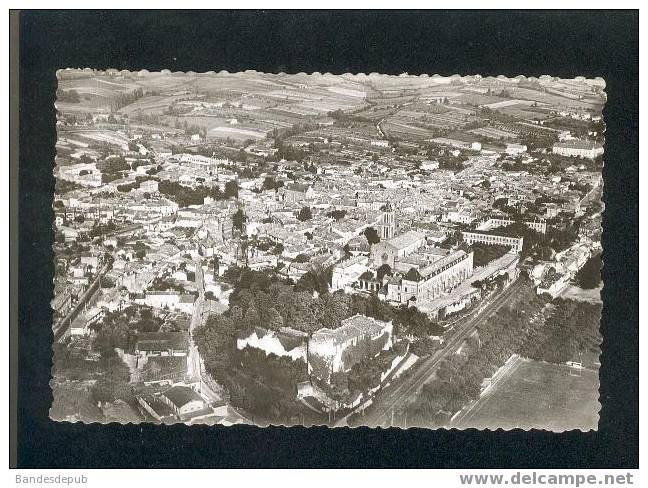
(193, 361)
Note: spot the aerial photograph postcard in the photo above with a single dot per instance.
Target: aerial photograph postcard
(327, 249)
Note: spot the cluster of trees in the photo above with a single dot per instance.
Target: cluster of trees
(73, 119)
(61, 186)
(112, 168)
(264, 386)
(185, 195)
(279, 372)
(295, 129)
(141, 249)
(148, 118)
(484, 253)
(316, 280)
(424, 346)
(238, 220)
(123, 99)
(283, 304)
(578, 128)
(344, 119)
(447, 160)
(364, 375)
(231, 189)
(120, 328)
(534, 140)
(99, 229)
(589, 276)
(108, 177)
(114, 383)
(176, 109)
(383, 269)
(490, 283)
(126, 187)
(154, 170)
(311, 168)
(71, 365)
(302, 258)
(459, 377)
(191, 129)
(305, 214)
(287, 152)
(67, 96)
(568, 334)
(164, 284)
(452, 163)
(371, 235)
(502, 205)
(560, 239)
(269, 183)
(336, 214)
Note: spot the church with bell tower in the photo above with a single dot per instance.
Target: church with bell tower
(388, 222)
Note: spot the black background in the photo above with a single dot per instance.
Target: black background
(559, 43)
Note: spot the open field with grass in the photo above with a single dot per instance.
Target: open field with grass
(535, 394)
(573, 292)
(238, 133)
(478, 99)
(155, 104)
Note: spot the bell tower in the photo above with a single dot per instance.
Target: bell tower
(387, 222)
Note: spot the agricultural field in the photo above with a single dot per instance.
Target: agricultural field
(403, 130)
(478, 99)
(95, 94)
(524, 112)
(235, 132)
(555, 99)
(86, 138)
(509, 103)
(493, 133)
(538, 395)
(149, 105)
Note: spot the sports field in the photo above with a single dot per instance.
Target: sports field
(533, 394)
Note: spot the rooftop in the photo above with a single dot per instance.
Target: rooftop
(407, 239)
(578, 144)
(156, 341)
(355, 326)
(181, 395)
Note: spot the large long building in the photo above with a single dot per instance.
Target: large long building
(495, 222)
(337, 350)
(515, 243)
(578, 148)
(389, 251)
(433, 281)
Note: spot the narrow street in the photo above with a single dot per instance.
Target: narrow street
(62, 327)
(193, 360)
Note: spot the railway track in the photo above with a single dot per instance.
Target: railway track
(385, 404)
